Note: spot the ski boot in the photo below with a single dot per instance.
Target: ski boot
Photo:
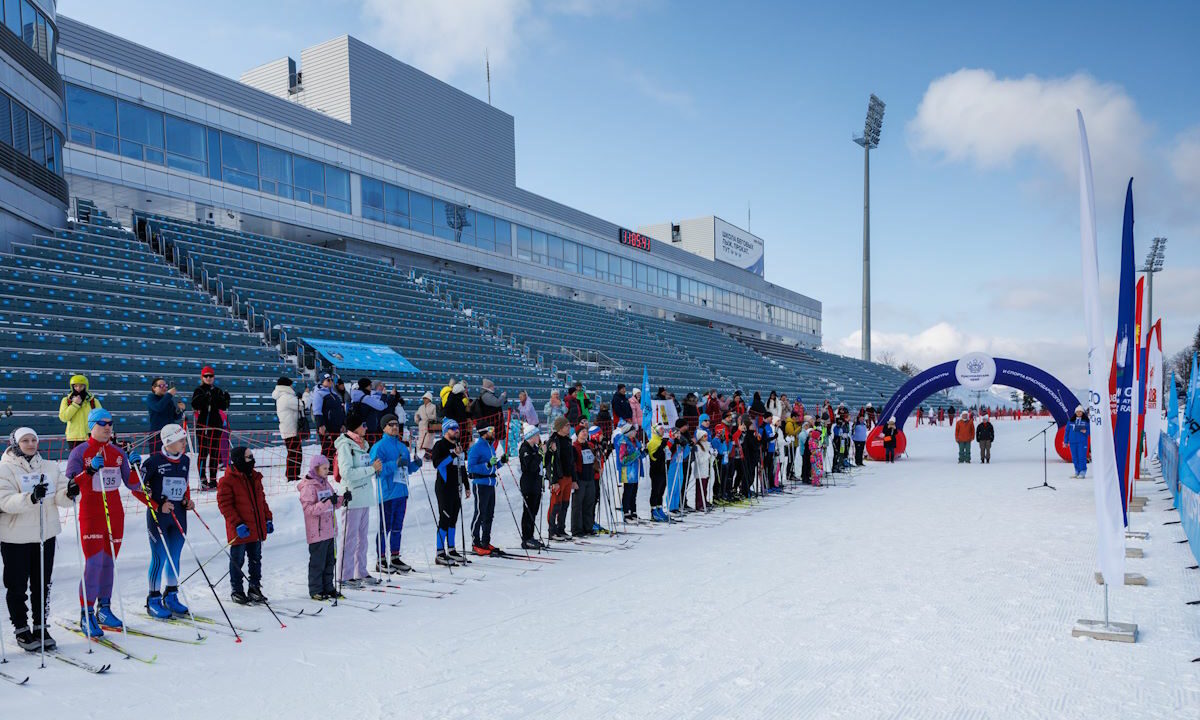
(398, 565)
(88, 624)
(172, 602)
(154, 607)
(239, 597)
(255, 595)
(493, 550)
(531, 544)
(104, 615)
(382, 566)
(657, 515)
(443, 558)
(43, 636)
(26, 640)
(481, 550)
(457, 557)
(370, 580)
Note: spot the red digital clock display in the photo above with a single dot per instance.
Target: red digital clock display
(634, 239)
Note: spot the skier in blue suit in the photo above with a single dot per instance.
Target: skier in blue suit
(1078, 429)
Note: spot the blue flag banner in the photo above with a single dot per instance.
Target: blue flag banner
(1173, 411)
(1188, 500)
(1123, 359)
(361, 356)
(647, 410)
(1168, 456)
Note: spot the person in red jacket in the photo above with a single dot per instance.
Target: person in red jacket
(248, 522)
(98, 468)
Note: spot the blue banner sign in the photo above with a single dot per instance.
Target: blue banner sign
(361, 356)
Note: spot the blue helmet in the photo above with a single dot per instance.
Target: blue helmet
(98, 414)
(448, 425)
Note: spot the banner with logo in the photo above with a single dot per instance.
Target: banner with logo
(1110, 520)
(1173, 410)
(1122, 377)
(1188, 500)
(361, 356)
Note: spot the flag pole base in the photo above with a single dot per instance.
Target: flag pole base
(1130, 579)
(1134, 553)
(1100, 630)
(1137, 535)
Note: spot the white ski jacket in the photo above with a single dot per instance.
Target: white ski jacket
(18, 516)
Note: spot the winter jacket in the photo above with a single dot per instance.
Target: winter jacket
(1077, 432)
(553, 411)
(657, 449)
(289, 408)
(455, 407)
(712, 407)
(964, 431)
(318, 502)
(328, 410)
(425, 415)
(986, 432)
(75, 416)
(560, 457)
(775, 408)
(18, 514)
(371, 407)
(860, 431)
(163, 410)
(527, 412)
(573, 410)
(637, 414)
(481, 463)
(208, 402)
(489, 405)
(531, 467)
(587, 461)
(354, 471)
(889, 436)
(621, 408)
(703, 455)
(242, 501)
(397, 464)
(166, 479)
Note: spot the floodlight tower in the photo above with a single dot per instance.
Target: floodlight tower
(868, 140)
(1154, 264)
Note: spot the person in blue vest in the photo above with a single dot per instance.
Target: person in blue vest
(397, 462)
(482, 461)
(1078, 429)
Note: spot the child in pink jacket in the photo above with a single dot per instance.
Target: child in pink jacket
(320, 526)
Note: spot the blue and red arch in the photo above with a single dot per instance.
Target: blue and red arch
(1052, 394)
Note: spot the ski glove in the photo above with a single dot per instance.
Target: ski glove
(72, 490)
(94, 466)
(39, 492)
(242, 531)
(270, 527)
(346, 497)
(135, 458)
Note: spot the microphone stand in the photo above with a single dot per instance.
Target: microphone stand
(1045, 457)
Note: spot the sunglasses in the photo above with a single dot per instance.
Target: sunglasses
(393, 424)
(208, 375)
(104, 423)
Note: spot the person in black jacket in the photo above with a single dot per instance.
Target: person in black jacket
(530, 455)
(560, 470)
(621, 409)
(208, 403)
(751, 452)
(456, 404)
(985, 433)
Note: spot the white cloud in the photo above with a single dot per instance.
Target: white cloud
(679, 100)
(973, 116)
(1185, 159)
(1065, 358)
(447, 37)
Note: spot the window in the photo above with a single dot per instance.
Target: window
(93, 119)
(185, 145)
(447, 223)
(588, 261)
(28, 22)
(503, 237)
(395, 205)
(571, 256)
(141, 132)
(310, 180)
(37, 140)
(627, 272)
(485, 231)
(5, 121)
(642, 282)
(20, 129)
(214, 154)
(524, 243)
(275, 171)
(372, 198)
(554, 251)
(421, 216)
(12, 16)
(337, 189)
(239, 161)
(539, 247)
(53, 151)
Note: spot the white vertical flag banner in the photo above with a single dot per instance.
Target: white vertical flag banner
(1110, 524)
(1154, 404)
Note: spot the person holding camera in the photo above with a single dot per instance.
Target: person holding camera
(74, 409)
(164, 409)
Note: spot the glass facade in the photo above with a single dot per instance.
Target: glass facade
(25, 132)
(119, 127)
(32, 27)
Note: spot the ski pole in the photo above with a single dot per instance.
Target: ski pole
(204, 573)
(420, 534)
(525, 504)
(43, 600)
(508, 502)
(84, 605)
(215, 555)
(429, 499)
(112, 545)
(163, 540)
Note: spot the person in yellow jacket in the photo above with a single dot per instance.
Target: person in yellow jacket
(74, 409)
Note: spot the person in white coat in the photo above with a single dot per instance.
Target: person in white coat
(702, 460)
(293, 425)
(31, 491)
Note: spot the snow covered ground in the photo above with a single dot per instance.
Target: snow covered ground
(923, 589)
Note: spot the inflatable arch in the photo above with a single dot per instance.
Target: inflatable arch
(976, 371)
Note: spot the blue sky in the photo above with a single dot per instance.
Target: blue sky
(643, 112)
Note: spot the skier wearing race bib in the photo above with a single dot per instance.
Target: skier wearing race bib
(100, 468)
(446, 461)
(481, 468)
(629, 464)
(168, 499)
(587, 477)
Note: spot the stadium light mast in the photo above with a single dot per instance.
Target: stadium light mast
(868, 140)
(1153, 264)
